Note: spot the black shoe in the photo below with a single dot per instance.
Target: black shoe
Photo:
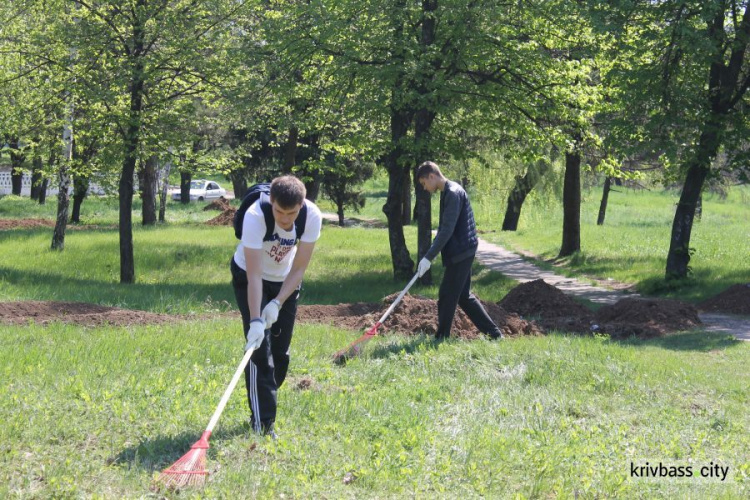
(497, 336)
(268, 430)
(265, 430)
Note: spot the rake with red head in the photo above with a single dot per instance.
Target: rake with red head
(190, 470)
(355, 347)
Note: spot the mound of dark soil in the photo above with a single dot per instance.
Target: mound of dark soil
(537, 298)
(220, 204)
(733, 300)
(225, 218)
(555, 310)
(646, 318)
(76, 313)
(412, 316)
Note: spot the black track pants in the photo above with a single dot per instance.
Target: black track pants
(456, 290)
(269, 363)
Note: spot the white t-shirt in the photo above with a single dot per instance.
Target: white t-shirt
(279, 252)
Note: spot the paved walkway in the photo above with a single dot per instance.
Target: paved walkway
(512, 265)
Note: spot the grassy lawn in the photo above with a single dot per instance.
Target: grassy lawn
(632, 244)
(183, 267)
(99, 412)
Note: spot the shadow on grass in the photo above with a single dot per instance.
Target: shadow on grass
(142, 296)
(409, 345)
(689, 341)
(155, 455)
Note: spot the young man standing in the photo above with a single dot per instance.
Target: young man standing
(457, 242)
(267, 272)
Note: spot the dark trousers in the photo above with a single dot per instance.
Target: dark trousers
(456, 290)
(269, 363)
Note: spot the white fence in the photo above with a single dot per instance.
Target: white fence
(6, 186)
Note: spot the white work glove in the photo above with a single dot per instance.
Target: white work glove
(255, 335)
(271, 313)
(423, 267)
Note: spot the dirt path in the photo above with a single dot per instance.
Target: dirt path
(512, 265)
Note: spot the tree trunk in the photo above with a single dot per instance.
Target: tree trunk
(520, 191)
(185, 179)
(16, 162)
(313, 188)
(80, 190)
(603, 204)
(131, 143)
(402, 262)
(239, 183)
(63, 198)
(406, 217)
(571, 237)
(45, 183)
(422, 127)
(164, 192)
(36, 177)
(43, 191)
(678, 257)
(148, 191)
(340, 212)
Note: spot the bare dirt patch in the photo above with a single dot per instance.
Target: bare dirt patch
(225, 218)
(646, 318)
(78, 313)
(733, 300)
(6, 224)
(412, 316)
(221, 204)
(554, 309)
(304, 384)
(643, 318)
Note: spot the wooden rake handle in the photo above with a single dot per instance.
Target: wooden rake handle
(351, 350)
(230, 389)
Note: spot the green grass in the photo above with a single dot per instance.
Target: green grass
(99, 412)
(632, 244)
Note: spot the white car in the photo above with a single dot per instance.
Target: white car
(201, 190)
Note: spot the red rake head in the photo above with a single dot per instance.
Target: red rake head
(190, 470)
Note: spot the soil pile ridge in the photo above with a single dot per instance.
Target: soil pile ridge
(733, 300)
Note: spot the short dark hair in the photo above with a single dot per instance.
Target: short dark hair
(288, 191)
(428, 168)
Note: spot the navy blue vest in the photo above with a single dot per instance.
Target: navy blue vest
(463, 243)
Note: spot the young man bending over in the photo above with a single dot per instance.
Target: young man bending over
(267, 270)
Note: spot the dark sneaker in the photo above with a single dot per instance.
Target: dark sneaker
(498, 335)
(268, 430)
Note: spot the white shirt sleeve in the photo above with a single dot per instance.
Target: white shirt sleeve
(312, 226)
(254, 227)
